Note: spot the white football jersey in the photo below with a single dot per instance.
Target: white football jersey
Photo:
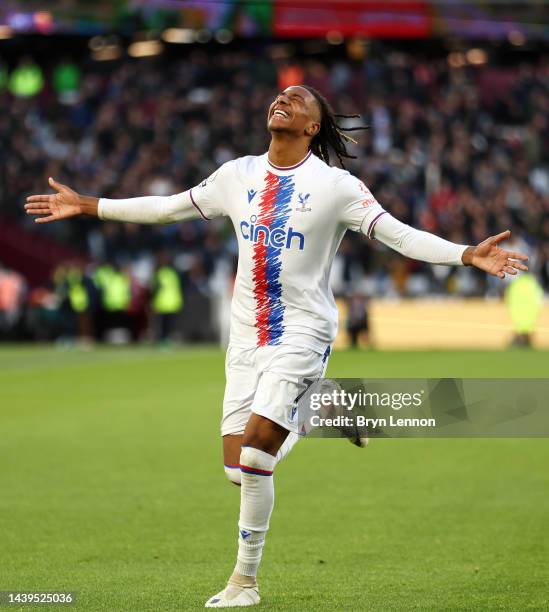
(289, 223)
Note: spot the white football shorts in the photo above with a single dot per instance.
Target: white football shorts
(267, 380)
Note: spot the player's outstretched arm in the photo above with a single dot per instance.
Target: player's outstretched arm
(67, 203)
(423, 246)
(64, 204)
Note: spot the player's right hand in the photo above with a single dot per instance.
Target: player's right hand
(61, 205)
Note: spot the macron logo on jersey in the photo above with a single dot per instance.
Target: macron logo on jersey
(277, 237)
(369, 197)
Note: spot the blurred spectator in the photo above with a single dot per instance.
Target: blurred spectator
(66, 81)
(12, 294)
(167, 298)
(357, 319)
(42, 316)
(114, 284)
(76, 299)
(27, 79)
(524, 298)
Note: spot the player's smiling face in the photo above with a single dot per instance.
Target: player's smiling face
(294, 110)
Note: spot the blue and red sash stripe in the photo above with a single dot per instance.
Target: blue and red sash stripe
(274, 212)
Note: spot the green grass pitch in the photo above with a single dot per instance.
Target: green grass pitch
(111, 485)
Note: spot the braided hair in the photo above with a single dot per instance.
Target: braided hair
(331, 135)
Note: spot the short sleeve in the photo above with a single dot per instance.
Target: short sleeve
(211, 195)
(359, 210)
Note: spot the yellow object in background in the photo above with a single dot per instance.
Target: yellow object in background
(168, 296)
(524, 298)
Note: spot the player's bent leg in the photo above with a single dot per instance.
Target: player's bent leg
(287, 446)
(231, 457)
(261, 442)
(231, 454)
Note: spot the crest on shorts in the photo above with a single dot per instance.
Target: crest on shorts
(293, 413)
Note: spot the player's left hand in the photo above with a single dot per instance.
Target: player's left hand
(488, 256)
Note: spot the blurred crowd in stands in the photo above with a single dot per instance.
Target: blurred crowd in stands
(106, 302)
(461, 151)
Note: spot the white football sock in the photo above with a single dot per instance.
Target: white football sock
(256, 505)
(287, 446)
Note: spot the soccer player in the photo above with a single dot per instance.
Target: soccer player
(290, 210)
